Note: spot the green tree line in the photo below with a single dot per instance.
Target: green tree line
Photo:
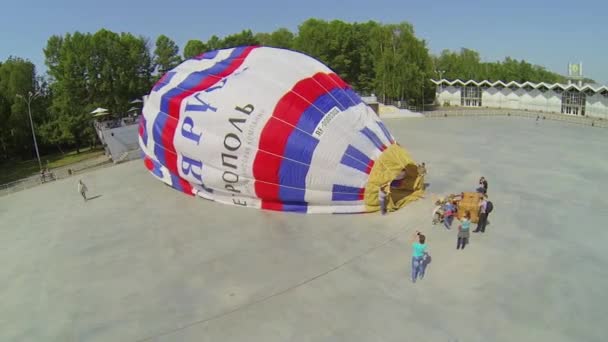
(109, 69)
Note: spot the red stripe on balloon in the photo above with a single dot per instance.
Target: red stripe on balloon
(277, 130)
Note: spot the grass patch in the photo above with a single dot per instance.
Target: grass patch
(15, 170)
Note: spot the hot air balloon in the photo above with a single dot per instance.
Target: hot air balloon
(273, 129)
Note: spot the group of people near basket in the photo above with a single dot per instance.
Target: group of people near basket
(450, 210)
(420, 258)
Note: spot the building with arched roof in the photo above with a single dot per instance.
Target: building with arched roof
(572, 99)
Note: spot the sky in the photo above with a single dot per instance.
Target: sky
(548, 33)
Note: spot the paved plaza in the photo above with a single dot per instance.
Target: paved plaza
(143, 262)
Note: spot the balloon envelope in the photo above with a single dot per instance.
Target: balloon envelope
(273, 129)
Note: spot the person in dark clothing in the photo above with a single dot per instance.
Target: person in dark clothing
(483, 215)
(483, 186)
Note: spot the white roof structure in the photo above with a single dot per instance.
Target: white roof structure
(585, 88)
(99, 110)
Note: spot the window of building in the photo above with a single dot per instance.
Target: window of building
(470, 96)
(573, 102)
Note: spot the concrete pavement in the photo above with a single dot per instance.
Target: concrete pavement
(143, 262)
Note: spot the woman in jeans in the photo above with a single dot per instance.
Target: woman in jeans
(418, 255)
(463, 230)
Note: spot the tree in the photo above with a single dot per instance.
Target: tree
(17, 76)
(403, 65)
(243, 38)
(312, 39)
(104, 69)
(193, 48)
(466, 65)
(214, 43)
(166, 54)
(281, 38)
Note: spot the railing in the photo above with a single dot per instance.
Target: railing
(581, 120)
(51, 176)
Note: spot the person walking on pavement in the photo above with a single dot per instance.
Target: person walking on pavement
(463, 231)
(82, 188)
(418, 255)
(483, 215)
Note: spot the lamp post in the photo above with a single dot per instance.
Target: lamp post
(439, 89)
(440, 72)
(29, 99)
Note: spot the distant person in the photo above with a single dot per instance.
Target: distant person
(82, 188)
(463, 231)
(49, 174)
(483, 186)
(418, 255)
(42, 176)
(483, 215)
(489, 208)
(383, 197)
(422, 169)
(449, 210)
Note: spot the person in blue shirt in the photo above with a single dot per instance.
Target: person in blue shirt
(463, 231)
(418, 256)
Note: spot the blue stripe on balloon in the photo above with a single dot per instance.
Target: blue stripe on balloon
(164, 81)
(373, 138)
(156, 170)
(345, 193)
(295, 207)
(301, 145)
(144, 130)
(355, 159)
(195, 78)
(358, 155)
(207, 55)
(157, 134)
(352, 162)
(175, 182)
(314, 114)
(385, 131)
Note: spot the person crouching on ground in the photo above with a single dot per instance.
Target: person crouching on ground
(82, 188)
(418, 255)
(383, 194)
(463, 231)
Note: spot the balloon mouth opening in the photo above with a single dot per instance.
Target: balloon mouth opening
(398, 173)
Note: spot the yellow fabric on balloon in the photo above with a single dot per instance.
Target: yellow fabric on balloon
(386, 168)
